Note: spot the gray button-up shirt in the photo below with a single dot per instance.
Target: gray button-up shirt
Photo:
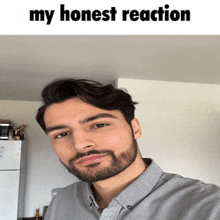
(154, 195)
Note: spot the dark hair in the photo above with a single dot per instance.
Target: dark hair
(102, 96)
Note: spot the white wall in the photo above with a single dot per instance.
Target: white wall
(44, 170)
(181, 126)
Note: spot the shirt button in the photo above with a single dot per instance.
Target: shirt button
(129, 207)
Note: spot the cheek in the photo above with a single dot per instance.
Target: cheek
(117, 140)
(63, 153)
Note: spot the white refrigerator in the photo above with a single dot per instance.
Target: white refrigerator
(12, 179)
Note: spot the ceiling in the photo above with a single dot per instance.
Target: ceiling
(28, 63)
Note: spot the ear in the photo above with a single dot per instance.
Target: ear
(136, 128)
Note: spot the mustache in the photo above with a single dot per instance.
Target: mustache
(80, 155)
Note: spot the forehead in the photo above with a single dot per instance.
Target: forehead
(74, 108)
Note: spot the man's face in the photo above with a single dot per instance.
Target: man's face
(94, 144)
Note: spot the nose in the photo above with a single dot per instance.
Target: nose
(82, 140)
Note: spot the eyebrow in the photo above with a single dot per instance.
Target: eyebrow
(94, 117)
(88, 119)
(53, 128)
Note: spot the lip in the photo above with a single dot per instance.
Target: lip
(95, 158)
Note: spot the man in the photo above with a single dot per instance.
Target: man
(94, 132)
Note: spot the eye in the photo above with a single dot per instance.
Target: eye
(63, 134)
(101, 125)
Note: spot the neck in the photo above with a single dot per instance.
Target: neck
(105, 190)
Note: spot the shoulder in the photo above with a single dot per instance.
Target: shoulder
(71, 190)
(71, 195)
(190, 190)
(188, 198)
(68, 202)
(175, 180)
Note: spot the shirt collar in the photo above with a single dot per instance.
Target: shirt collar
(90, 196)
(141, 187)
(137, 190)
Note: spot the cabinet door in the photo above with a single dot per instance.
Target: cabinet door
(9, 183)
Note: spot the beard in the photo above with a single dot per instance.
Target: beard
(95, 173)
